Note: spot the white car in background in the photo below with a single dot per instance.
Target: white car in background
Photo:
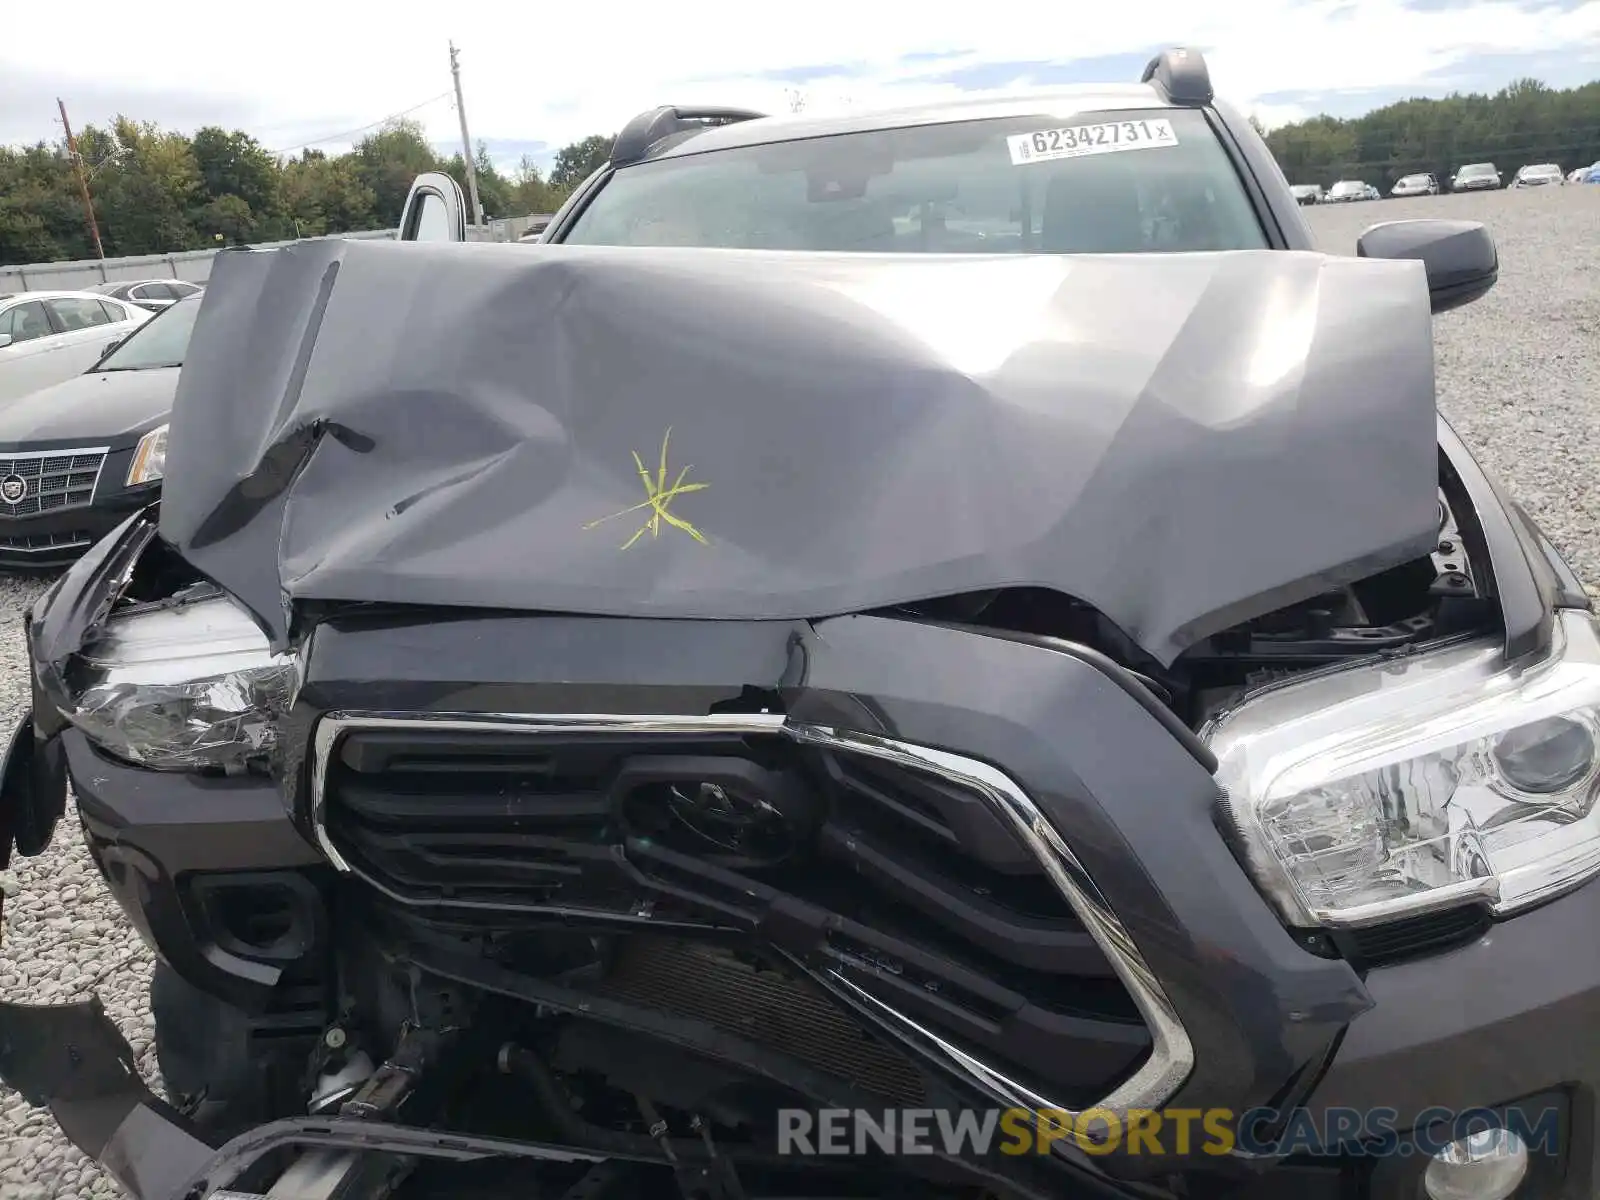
(46, 337)
(1348, 191)
(1538, 175)
(1421, 184)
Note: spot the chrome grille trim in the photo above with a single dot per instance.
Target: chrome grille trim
(1155, 1081)
(73, 481)
(44, 543)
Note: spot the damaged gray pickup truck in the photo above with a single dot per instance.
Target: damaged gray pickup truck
(877, 628)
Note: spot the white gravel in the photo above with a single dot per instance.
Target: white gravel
(64, 939)
(1519, 376)
(1519, 371)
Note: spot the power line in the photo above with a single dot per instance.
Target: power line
(349, 133)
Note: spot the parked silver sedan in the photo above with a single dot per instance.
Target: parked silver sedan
(1538, 175)
(1421, 184)
(152, 295)
(1348, 191)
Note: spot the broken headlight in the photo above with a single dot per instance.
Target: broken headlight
(186, 686)
(1364, 794)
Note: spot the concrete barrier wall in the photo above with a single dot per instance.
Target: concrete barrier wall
(193, 265)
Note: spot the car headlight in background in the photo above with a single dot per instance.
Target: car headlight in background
(186, 686)
(1365, 794)
(149, 457)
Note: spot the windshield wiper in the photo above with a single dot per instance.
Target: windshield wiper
(142, 367)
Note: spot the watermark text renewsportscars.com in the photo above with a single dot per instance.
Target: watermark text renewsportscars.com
(1169, 1131)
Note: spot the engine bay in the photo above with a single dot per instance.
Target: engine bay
(1393, 612)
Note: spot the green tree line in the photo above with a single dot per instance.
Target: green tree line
(156, 191)
(1524, 123)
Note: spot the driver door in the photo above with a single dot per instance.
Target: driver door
(435, 211)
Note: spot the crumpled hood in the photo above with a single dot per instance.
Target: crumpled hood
(1182, 441)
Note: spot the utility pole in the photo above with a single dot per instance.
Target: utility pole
(83, 184)
(466, 139)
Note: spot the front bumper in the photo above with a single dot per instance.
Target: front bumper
(1507, 1018)
(1505, 1021)
(55, 538)
(174, 850)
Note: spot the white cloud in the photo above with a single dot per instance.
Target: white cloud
(555, 73)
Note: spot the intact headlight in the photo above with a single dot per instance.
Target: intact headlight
(149, 457)
(180, 688)
(1369, 793)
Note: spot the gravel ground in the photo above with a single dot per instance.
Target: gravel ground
(1519, 371)
(1519, 376)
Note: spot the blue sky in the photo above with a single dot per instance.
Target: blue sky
(536, 78)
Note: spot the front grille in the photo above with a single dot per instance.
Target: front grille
(37, 543)
(49, 481)
(905, 886)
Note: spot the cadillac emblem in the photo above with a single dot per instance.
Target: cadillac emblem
(13, 488)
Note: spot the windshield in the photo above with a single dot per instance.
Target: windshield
(1414, 180)
(1346, 186)
(159, 342)
(1477, 169)
(1109, 183)
(1544, 169)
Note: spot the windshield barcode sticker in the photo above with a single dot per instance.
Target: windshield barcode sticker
(1074, 141)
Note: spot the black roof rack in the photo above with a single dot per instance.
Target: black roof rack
(1181, 76)
(648, 128)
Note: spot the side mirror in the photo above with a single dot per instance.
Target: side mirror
(5, 340)
(1459, 256)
